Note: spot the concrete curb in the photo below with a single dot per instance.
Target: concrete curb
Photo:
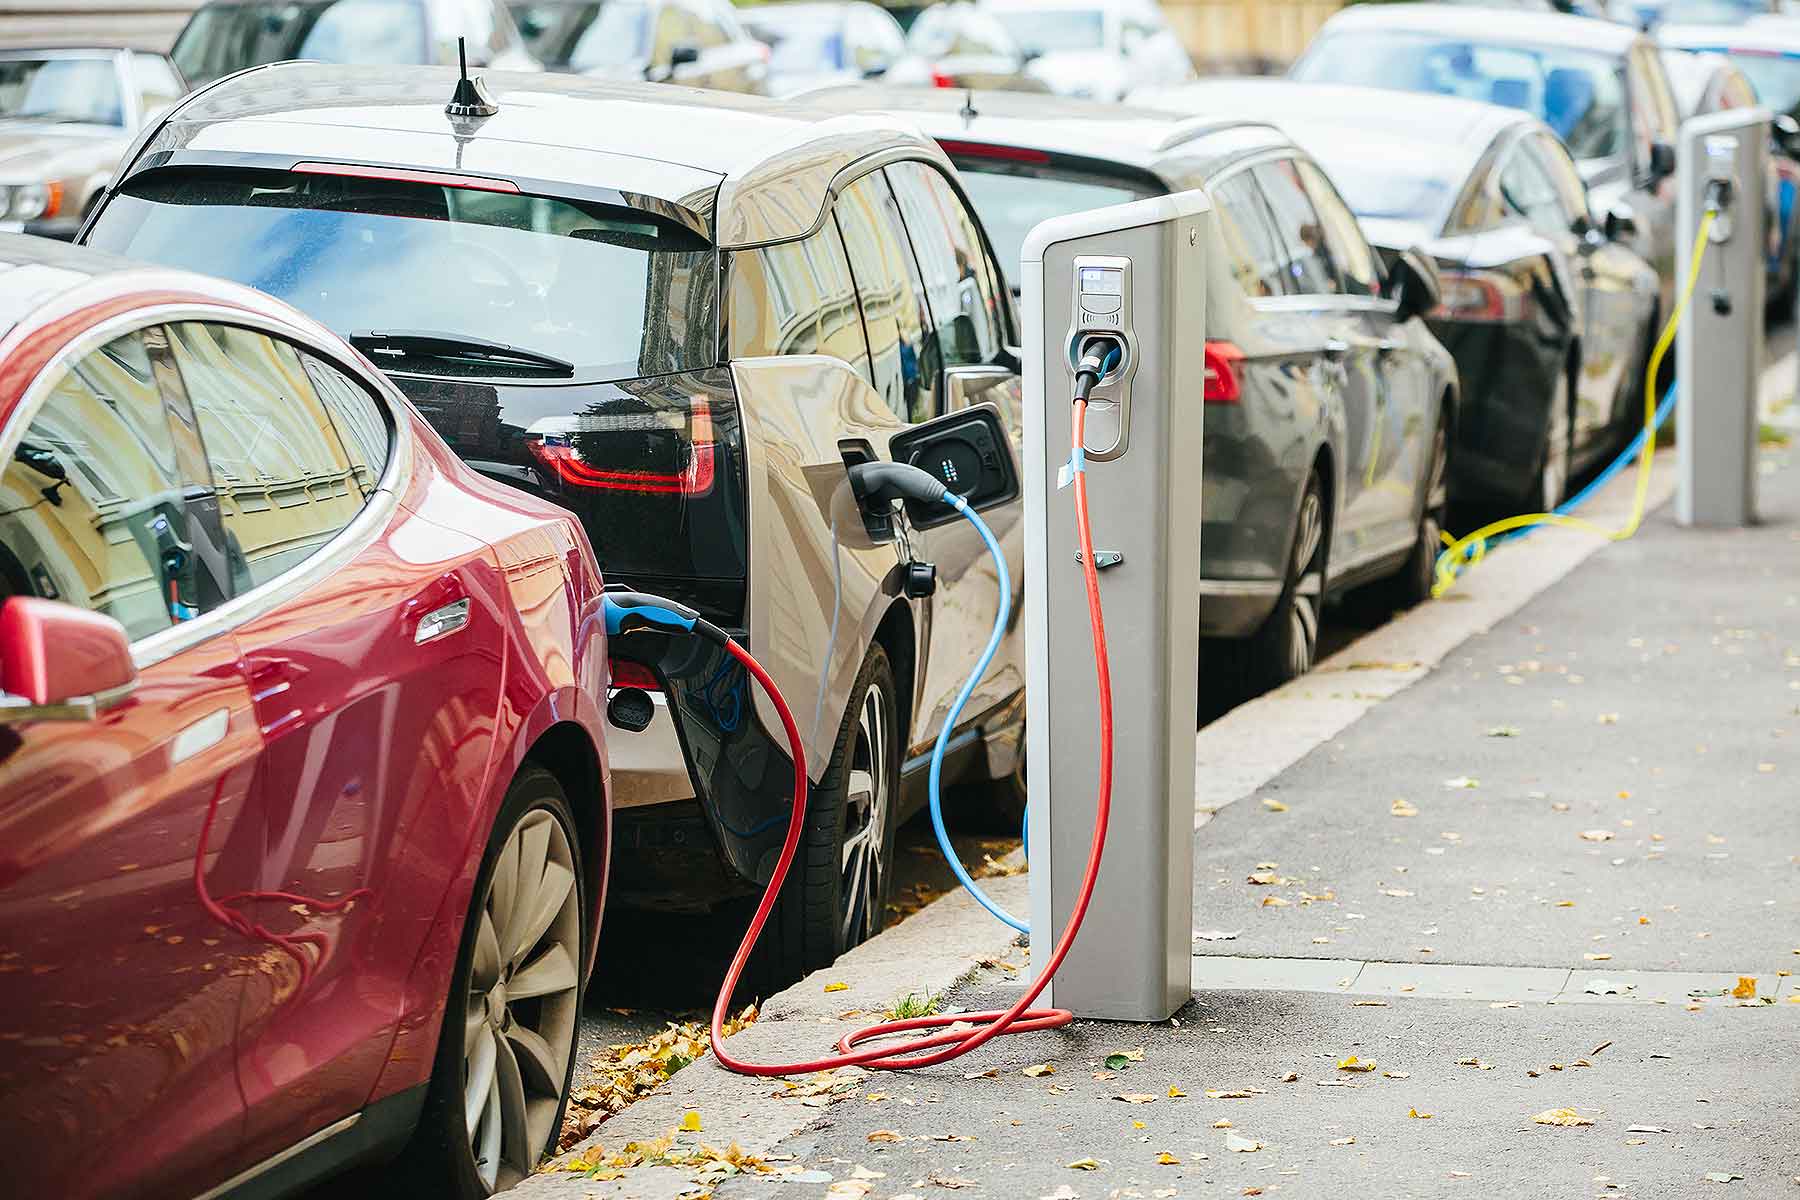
(945, 942)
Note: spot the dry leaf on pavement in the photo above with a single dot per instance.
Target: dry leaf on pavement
(1413, 1112)
(886, 1135)
(1746, 987)
(1165, 1159)
(1354, 1063)
(1037, 1069)
(1561, 1116)
(1084, 1164)
(1403, 808)
(1274, 805)
(1343, 1141)
(1136, 1097)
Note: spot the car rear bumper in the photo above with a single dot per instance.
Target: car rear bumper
(1236, 608)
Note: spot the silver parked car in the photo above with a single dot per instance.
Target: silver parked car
(1095, 50)
(698, 43)
(1331, 407)
(1600, 86)
(823, 43)
(66, 117)
(683, 316)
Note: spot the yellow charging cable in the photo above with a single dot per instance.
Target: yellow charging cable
(1471, 548)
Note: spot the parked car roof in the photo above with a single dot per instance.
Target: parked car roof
(1486, 25)
(1138, 137)
(755, 170)
(1774, 33)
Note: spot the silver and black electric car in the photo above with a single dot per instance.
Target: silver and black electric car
(1330, 405)
(682, 315)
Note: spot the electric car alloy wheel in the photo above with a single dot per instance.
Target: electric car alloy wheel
(508, 1046)
(1303, 599)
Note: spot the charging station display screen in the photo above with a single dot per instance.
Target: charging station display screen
(1102, 281)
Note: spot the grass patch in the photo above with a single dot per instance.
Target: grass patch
(1772, 435)
(913, 1004)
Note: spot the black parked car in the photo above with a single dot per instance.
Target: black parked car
(1550, 315)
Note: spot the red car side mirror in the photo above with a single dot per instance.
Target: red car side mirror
(59, 662)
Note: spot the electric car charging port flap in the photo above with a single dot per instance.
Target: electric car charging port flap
(969, 452)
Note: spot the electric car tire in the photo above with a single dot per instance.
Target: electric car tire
(514, 1006)
(837, 890)
(1284, 646)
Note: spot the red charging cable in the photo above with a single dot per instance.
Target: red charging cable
(1021, 1017)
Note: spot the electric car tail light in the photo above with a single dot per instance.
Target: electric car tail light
(1222, 382)
(633, 675)
(941, 80)
(1480, 296)
(473, 183)
(632, 448)
(958, 149)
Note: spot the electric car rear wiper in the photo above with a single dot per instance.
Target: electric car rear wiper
(425, 343)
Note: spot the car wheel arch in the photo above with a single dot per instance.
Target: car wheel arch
(897, 634)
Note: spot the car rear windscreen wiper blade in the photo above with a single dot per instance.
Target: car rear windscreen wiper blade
(429, 344)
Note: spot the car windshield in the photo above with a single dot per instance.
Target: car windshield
(1011, 199)
(798, 46)
(558, 279)
(1776, 77)
(61, 91)
(222, 38)
(1579, 94)
(618, 34)
(1052, 30)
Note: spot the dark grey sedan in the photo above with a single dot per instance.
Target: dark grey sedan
(1330, 405)
(1548, 311)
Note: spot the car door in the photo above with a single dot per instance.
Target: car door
(1655, 121)
(1406, 378)
(1368, 514)
(368, 721)
(970, 320)
(123, 837)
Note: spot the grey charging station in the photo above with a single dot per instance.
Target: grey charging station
(1719, 348)
(1138, 272)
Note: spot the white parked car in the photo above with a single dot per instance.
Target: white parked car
(1094, 49)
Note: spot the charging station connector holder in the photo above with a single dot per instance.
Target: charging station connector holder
(1141, 457)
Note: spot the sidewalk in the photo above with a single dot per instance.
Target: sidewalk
(1501, 881)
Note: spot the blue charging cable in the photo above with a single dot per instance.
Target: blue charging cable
(1002, 615)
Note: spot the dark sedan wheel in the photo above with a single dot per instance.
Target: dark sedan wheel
(1286, 644)
(507, 1050)
(836, 893)
(1553, 457)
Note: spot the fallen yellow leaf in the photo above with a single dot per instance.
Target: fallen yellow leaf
(1561, 1116)
(1746, 988)
(1274, 902)
(1343, 1141)
(1038, 1069)
(1084, 1164)
(691, 1122)
(1354, 1063)
(1175, 1093)
(1413, 1112)
(1137, 1125)
(885, 1135)
(1402, 808)
(837, 987)
(1165, 1159)
(1275, 805)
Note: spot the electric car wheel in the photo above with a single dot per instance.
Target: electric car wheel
(837, 890)
(500, 1081)
(1553, 456)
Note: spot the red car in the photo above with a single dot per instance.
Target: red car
(304, 813)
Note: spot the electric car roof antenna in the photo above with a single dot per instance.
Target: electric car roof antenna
(967, 112)
(470, 99)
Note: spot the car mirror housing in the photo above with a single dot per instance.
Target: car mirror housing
(683, 55)
(1414, 285)
(59, 662)
(1662, 161)
(970, 452)
(1787, 135)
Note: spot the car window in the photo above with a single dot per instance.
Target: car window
(359, 420)
(366, 31)
(1344, 239)
(1527, 191)
(61, 91)
(1013, 198)
(286, 486)
(960, 283)
(94, 505)
(1246, 234)
(588, 36)
(797, 298)
(1571, 192)
(950, 32)
(1309, 268)
(901, 361)
(156, 82)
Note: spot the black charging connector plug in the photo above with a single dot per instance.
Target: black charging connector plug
(1100, 353)
(882, 483)
(1718, 195)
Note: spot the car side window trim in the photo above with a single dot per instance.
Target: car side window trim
(340, 549)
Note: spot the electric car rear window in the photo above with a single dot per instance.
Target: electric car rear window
(439, 280)
(1012, 196)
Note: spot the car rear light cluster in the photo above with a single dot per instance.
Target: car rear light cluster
(593, 451)
(633, 675)
(941, 80)
(1480, 296)
(1223, 383)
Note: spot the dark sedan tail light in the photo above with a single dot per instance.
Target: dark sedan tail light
(1222, 384)
(1480, 296)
